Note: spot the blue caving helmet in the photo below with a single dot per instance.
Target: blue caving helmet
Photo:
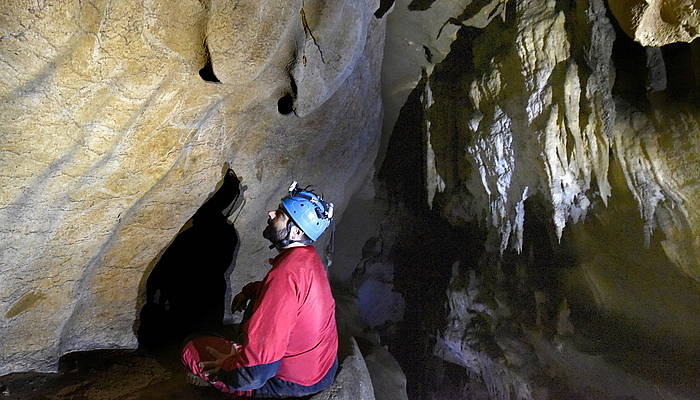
(308, 210)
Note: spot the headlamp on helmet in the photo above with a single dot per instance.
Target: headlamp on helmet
(308, 210)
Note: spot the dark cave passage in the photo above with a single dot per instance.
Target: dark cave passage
(425, 250)
(185, 291)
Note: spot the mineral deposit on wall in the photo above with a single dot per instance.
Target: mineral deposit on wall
(523, 113)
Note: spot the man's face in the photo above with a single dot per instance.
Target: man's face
(276, 228)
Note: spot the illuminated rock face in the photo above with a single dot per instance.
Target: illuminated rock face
(532, 113)
(658, 22)
(528, 121)
(659, 156)
(526, 108)
(112, 139)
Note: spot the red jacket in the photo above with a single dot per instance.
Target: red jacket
(293, 320)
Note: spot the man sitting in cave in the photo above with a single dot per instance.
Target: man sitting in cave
(290, 340)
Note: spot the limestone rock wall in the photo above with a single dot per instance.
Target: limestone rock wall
(658, 22)
(531, 113)
(574, 150)
(418, 38)
(658, 151)
(111, 139)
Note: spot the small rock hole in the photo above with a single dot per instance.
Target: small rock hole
(207, 72)
(285, 105)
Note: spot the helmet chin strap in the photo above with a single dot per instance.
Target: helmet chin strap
(281, 244)
(286, 242)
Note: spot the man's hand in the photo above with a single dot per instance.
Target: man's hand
(211, 368)
(239, 302)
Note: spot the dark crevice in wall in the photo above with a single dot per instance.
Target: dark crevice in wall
(682, 63)
(384, 6)
(285, 104)
(425, 248)
(420, 5)
(449, 138)
(207, 72)
(428, 54)
(185, 290)
(404, 156)
(629, 58)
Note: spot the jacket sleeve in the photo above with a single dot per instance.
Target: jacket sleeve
(267, 334)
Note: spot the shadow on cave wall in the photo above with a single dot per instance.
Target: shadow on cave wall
(185, 291)
(425, 248)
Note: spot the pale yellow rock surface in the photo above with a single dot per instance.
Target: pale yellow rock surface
(111, 140)
(658, 22)
(637, 259)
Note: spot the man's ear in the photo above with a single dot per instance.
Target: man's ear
(296, 233)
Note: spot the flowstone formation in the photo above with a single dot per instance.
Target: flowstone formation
(531, 114)
(419, 35)
(119, 120)
(534, 113)
(565, 157)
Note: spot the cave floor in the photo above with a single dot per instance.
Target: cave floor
(109, 374)
(151, 373)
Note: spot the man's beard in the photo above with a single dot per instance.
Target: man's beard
(273, 235)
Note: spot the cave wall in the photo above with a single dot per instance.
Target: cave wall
(658, 22)
(564, 154)
(121, 118)
(533, 112)
(535, 192)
